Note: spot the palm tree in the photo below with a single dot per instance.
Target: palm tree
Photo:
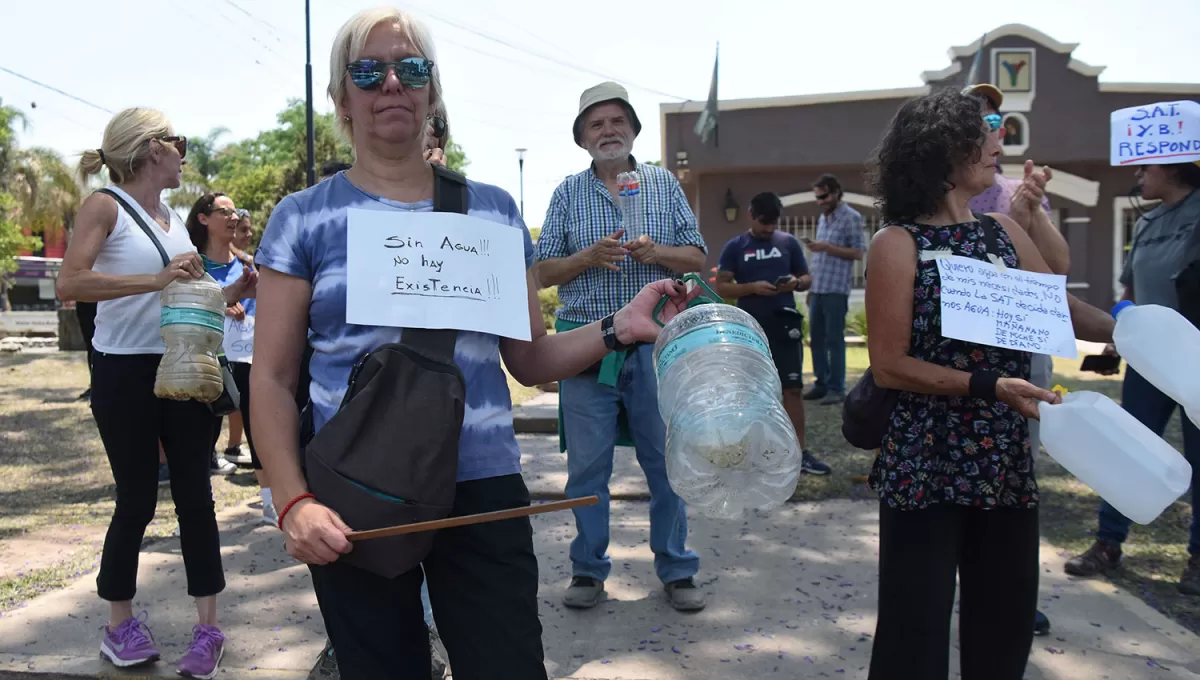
(48, 193)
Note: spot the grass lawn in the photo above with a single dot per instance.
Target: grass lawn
(55, 481)
(54, 476)
(1154, 555)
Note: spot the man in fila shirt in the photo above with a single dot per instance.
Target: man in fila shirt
(762, 269)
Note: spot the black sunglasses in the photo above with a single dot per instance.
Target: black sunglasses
(822, 197)
(179, 141)
(413, 73)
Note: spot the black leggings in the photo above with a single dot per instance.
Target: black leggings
(995, 555)
(131, 421)
(483, 582)
(241, 378)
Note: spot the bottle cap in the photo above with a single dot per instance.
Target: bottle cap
(1120, 307)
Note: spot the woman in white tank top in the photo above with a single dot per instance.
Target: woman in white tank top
(112, 260)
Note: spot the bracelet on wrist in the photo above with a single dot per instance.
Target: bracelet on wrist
(983, 385)
(287, 508)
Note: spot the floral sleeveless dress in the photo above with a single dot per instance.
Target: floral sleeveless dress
(949, 449)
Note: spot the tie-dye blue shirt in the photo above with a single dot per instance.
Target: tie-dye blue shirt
(306, 237)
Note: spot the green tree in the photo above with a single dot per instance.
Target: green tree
(14, 172)
(456, 158)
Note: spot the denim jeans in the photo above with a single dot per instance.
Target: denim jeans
(1153, 409)
(590, 416)
(827, 337)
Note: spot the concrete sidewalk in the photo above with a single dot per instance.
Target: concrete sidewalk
(791, 594)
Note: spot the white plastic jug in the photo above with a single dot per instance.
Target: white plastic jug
(1164, 348)
(192, 326)
(731, 447)
(1121, 459)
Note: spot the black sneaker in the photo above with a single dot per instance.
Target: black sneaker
(1189, 584)
(86, 396)
(220, 466)
(1041, 625)
(815, 392)
(810, 465)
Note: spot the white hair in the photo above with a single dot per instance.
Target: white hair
(352, 37)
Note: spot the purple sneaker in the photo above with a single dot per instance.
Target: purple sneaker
(130, 644)
(204, 654)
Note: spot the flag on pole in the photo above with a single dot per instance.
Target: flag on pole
(706, 125)
(974, 72)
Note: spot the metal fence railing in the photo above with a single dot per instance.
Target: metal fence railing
(806, 227)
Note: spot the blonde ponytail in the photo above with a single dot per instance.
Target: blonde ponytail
(125, 147)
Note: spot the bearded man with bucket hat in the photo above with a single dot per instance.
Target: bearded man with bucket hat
(585, 250)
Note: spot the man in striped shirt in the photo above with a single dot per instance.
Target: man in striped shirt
(586, 250)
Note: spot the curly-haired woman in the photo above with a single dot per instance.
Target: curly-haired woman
(955, 472)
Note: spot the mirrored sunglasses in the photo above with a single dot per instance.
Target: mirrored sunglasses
(413, 73)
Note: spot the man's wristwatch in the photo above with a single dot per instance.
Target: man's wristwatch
(610, 335)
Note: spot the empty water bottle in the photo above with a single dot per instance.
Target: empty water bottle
(1164, 348)
(629, 199)
(1117, 456)
(192, 325)
(730, 445)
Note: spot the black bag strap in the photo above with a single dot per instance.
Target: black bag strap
(989, 233)
(141, 223)
(449, 195)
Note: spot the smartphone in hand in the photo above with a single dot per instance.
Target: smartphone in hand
(783, 280)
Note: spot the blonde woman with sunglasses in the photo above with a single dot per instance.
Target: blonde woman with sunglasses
(113, 260)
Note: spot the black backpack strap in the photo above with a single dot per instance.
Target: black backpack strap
(449, 195)
(141, 223)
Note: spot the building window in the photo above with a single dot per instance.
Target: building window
(1016, 134)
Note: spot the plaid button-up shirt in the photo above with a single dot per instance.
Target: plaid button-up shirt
(843, 227)
(583, 211)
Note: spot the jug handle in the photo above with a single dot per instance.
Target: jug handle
(707, 295)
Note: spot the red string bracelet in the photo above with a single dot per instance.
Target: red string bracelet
(292, 502)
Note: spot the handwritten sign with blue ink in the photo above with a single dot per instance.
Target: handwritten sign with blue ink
(435, 270)
(1011, 308)
(1167, 132)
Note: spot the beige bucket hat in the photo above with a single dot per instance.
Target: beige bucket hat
(601, 94)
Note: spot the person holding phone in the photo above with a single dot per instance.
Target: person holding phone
(763, 269)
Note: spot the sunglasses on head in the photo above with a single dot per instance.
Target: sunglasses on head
(179, 141)
(413, 73)
(993, 120)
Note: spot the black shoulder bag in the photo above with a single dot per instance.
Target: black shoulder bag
(230, 398)
(389, 456)
(867, 409)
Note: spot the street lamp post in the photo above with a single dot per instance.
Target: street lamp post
(521, 164)
(308, 96)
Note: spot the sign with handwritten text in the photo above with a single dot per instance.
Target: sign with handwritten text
(1011, 308)
(435, 270)
(238, 342)
(1167, 132)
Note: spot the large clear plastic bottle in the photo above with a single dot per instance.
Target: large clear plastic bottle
(1164, 348)
(730, 445)
(192, 325)
(1119, 458)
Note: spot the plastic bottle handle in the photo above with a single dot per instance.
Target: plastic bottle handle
(707, 296)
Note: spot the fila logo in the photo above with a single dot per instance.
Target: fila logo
(761, 254)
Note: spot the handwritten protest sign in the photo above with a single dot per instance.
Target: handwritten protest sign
(1011, 308)
(435, 270)
(1167, 132)
(239, 339)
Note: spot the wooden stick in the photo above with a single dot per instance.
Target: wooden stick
(472, 519)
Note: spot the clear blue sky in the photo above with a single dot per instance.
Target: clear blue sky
(513, 71)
